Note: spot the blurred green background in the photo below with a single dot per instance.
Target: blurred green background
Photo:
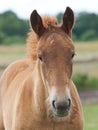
(13, 34)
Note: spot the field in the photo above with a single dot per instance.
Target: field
(8, 54)
(11, 53)
(84, 52)
(91, 117)
(87, 51)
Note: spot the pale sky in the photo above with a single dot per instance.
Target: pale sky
(23, 8)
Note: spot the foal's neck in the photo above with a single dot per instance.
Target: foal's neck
(39, 91)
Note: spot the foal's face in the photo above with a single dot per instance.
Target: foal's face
(55, 53)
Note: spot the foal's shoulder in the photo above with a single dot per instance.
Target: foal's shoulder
(13, 69)
(16, 66)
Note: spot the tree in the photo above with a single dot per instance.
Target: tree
(86, 26)
(59, 17)
(12, 26)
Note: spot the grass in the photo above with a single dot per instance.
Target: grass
(85, 51)
(11, 53)
(84, 82)
(90, 69)
(91, 117)
(87, 47)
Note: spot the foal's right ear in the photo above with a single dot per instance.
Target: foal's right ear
(36, 23)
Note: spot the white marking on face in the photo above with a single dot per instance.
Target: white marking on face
(68, 93)
(52, 41)
(52, 94)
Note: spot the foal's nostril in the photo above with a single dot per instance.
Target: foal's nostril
(69, 102)
(53, 104)
(61, 105)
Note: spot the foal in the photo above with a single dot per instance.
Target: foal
(38, 93)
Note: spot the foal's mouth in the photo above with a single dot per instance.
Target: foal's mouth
(61, 109)
(61, 113)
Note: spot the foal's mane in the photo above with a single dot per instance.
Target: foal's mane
(32, 39)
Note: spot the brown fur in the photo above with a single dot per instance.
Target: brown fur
(33, 39)
(24, 95)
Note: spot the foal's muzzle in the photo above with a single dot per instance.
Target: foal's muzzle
(61, 108)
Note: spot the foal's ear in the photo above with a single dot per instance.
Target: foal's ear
(36, 23)
(68, 21)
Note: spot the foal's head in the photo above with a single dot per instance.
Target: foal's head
(55, 52)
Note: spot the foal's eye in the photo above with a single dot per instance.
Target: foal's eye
(40, 58)
(72, 56)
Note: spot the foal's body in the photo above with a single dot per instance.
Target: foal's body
(24, 103)
(24, 112)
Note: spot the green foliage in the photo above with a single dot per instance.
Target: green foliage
(11, 27)
(89, 35)
(13, 40)
(90, 117)
(84, 82)
(86, 26)
(59, 17)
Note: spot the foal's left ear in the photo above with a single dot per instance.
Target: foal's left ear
(36, 23)
(68, 21)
